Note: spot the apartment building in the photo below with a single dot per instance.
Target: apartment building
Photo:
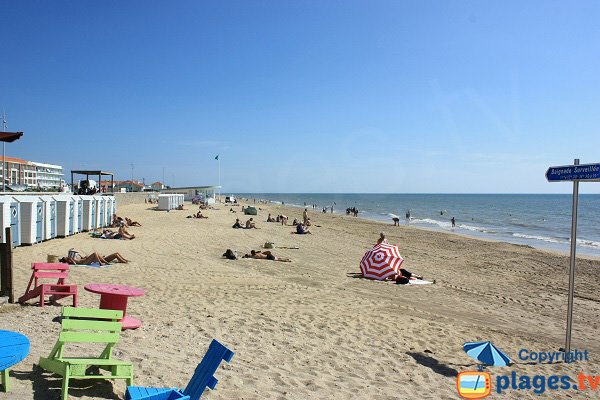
(34, 175)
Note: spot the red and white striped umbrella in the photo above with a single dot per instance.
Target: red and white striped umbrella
(382, 261)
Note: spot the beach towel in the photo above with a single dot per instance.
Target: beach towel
(414, 281)
(93, 265)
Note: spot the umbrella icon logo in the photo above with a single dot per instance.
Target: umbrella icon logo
(478, 384)
(474, 384)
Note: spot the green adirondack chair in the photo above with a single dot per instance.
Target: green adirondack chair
(88, 325)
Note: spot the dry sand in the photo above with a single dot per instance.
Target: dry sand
(311, 329)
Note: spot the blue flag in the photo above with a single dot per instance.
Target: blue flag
(217, 157)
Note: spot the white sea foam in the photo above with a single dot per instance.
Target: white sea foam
(580, 242)
(542, 238)
(448, 225)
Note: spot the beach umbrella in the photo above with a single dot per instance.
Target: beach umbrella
(382, 261)
(486, 353)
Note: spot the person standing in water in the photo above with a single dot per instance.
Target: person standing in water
(453, 222)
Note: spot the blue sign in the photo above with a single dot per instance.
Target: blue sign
(584, 172)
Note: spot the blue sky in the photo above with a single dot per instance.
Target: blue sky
(307, 96)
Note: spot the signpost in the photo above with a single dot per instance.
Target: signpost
(574, 173)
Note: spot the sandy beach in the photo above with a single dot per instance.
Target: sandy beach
(312, 328)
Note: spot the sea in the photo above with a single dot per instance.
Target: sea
(538, 220)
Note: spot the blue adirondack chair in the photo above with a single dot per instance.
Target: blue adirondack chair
(203, 377)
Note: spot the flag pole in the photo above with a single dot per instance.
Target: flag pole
(219, 181)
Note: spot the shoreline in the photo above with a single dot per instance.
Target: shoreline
(580, 254)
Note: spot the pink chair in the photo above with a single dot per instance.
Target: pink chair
(56, 290)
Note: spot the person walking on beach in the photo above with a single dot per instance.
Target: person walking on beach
(453, 222)
(305, 215)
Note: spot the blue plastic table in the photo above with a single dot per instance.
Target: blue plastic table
(13, 348)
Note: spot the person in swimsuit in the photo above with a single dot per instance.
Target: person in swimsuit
(265, 255)
(93, 258)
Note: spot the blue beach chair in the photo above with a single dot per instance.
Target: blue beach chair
(203, 377)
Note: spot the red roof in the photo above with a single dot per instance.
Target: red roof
(15, 160)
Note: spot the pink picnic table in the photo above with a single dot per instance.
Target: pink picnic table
(114, 297)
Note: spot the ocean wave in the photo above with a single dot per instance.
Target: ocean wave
(588, 243)
(542, 238)
(580, 242)
(448, 225)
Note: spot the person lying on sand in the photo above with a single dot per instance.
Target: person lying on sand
(93, 258)
(404, 277)
(265, 255)
(250, 224)
(124, 234)
(237, 224)
(108, 234)
(302, 230)
(132, 223)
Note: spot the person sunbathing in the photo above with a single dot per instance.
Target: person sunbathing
(302, 230)
(124, 234)
(237, 224)
(108, 234)
(116, 221)
(382, 238)
(250, 224)
(93, 258)
(132, 223)
(265, 255)
(270, 219)
(404, 277)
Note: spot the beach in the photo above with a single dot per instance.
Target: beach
(313, 328)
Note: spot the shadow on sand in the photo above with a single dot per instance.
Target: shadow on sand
(47, 387)
(433, 364)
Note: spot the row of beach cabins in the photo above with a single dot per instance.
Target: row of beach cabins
(36, 218)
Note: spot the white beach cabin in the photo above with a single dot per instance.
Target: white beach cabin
(50, 222)
(164, 201)
(65, 215)
(89, 213)
(100, 215)
(32, 219)
(78, 224)
(108, 209)
(10, 217)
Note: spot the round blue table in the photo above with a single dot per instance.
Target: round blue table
(13, 348)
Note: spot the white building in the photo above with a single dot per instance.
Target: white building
(48, 175)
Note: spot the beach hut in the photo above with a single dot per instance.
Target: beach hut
(78, 214)
(31, 209)
(98, 199)
(49, 217)
(10, 217)
(108, 208)
(65, 215)
(165, 201)
(89, 213)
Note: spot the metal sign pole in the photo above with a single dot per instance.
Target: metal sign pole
(572, 262)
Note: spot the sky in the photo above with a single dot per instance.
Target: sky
(307, 96)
